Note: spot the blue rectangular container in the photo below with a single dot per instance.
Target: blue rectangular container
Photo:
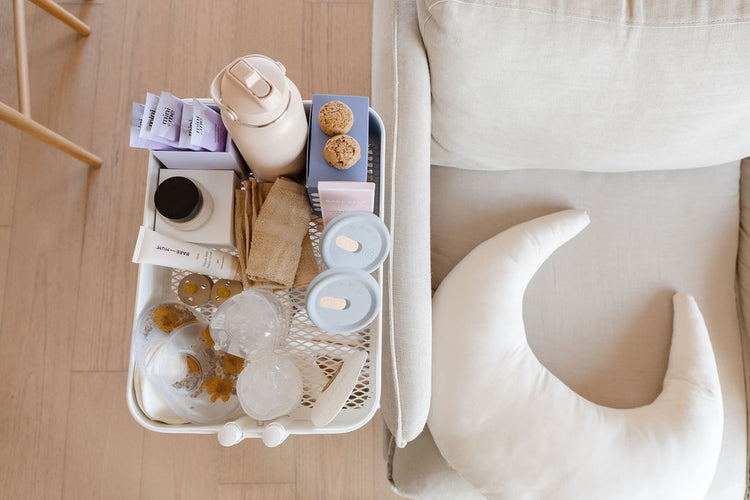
(317, 167)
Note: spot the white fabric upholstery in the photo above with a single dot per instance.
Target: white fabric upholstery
(610, 288)
(598, 314)
(420, 471)
(532, 436)
(587, 85)
(401, 95)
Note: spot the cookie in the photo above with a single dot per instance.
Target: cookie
(335, 118)
(341, 151)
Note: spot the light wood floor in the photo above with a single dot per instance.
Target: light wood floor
(66, 238)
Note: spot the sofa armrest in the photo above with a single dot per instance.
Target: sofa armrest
(401, 95)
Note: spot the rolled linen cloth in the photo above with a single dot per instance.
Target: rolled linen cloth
(307, 269)
(277, 234)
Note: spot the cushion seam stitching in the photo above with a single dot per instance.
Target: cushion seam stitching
(394, 367)
(550, 12)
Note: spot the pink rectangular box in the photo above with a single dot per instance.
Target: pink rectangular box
(337, 197)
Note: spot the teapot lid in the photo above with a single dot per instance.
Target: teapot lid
(252, 90)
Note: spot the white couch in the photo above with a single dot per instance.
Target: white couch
(500, 111)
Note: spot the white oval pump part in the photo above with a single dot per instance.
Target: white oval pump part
(334, 395)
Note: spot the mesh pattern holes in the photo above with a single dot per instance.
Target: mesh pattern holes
(318, 354)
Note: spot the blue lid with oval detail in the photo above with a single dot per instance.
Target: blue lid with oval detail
(355, 239)
(343, 300)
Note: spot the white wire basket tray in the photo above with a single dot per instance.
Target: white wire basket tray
(317, 353)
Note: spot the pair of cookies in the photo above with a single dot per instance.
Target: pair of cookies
(336, 119)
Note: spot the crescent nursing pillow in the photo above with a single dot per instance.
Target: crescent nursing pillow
(514, 430)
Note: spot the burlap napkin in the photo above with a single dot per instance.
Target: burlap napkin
(258, 192)
(308, 265)
(277, 234)
(247, 203)
(240, 232)
(247, 208)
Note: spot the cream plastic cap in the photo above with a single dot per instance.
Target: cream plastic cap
(258, 86)
(252, 90)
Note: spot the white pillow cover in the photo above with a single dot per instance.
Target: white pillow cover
(603, 86)
(515, 431)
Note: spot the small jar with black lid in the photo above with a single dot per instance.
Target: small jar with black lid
(182, 202)
(196, 205)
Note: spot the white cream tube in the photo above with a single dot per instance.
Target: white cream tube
(160, 250)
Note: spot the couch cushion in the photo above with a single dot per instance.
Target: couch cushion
(401, 94)
(420, 471)
(587, 85)
(610, 288)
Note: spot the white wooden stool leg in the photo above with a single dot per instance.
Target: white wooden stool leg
(22, 59)
(26, 124)
(63, 15)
